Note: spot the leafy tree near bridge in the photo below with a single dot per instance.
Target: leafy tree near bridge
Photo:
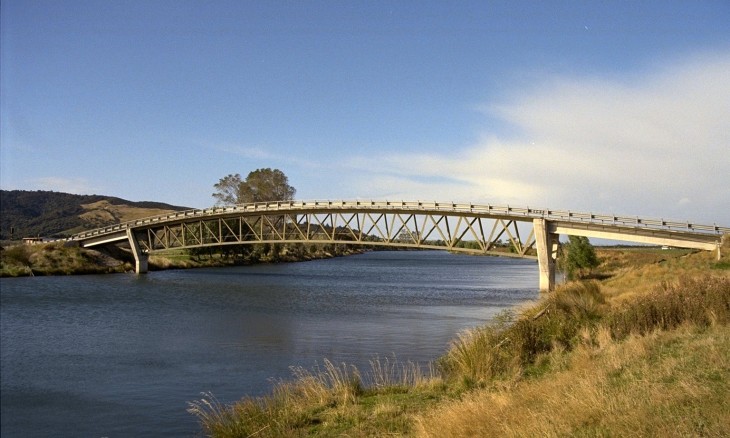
(578, 257)
(261, 185)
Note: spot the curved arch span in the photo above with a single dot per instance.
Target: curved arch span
(470, 228)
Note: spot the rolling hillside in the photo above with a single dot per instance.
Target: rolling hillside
(54, 214)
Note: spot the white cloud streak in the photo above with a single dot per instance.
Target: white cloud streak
(78, 186)
(263, 154)
(259, 153)
(654, 146)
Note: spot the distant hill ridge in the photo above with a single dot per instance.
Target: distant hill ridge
(56, 214)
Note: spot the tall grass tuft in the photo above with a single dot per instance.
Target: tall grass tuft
(703, 301)
(479, 354)
(395, 376)
(505, 348)
(217, 419)
(333, 385)
(292, 404)
(322, 399)
(580, 300)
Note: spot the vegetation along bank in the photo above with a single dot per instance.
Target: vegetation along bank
(65, 258)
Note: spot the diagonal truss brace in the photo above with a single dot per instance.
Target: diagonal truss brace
(427, 230)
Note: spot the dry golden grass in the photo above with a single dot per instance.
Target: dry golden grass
(635, 272)
(160, 262)
(292, 404)
(663, 384)
(56, 259)
(656, 362)
(103, 212)
(702, 300)
(332, 401)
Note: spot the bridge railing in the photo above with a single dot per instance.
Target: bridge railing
(517, 213)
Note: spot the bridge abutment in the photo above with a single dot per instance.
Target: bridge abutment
(140, 258)
(547, 250)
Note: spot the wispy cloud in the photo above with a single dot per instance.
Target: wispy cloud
(78, 186)
(657, 145)
(252, 152)
(265, 154)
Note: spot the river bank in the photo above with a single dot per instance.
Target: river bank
(644, 351)
(58, 258)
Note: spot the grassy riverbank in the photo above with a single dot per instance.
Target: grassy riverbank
(57, 259)
(66, 259)
(644, 351)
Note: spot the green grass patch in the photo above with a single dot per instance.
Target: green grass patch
(723, 265)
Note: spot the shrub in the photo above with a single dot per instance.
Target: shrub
(581, 300)
(479, 353)
(579, 257)
(509, 345)
(16, 255)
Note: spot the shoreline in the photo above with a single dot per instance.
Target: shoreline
(50, 259)
(647, 314)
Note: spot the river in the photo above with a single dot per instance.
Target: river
(121, 355)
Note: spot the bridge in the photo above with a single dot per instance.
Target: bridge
(478, 229)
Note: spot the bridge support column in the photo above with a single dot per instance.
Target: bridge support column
(140, 258)
(721, 245)
(546, 243)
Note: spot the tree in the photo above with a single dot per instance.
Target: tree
(261, 185)
(579, 257)
(227, 189)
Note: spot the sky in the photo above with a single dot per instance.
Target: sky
(606, 107)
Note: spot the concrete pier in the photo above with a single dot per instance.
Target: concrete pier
(140, 258)
(546, 244)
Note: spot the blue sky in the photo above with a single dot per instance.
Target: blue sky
(612, 107)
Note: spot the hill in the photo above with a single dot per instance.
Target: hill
(54, 214)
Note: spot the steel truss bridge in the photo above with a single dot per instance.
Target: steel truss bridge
(477, 229)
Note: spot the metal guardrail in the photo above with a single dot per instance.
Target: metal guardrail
(515, 213)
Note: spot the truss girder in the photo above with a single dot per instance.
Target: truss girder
(626, 227)
(427, 230)
(428, 225)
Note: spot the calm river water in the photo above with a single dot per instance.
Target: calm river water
(121, 355)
